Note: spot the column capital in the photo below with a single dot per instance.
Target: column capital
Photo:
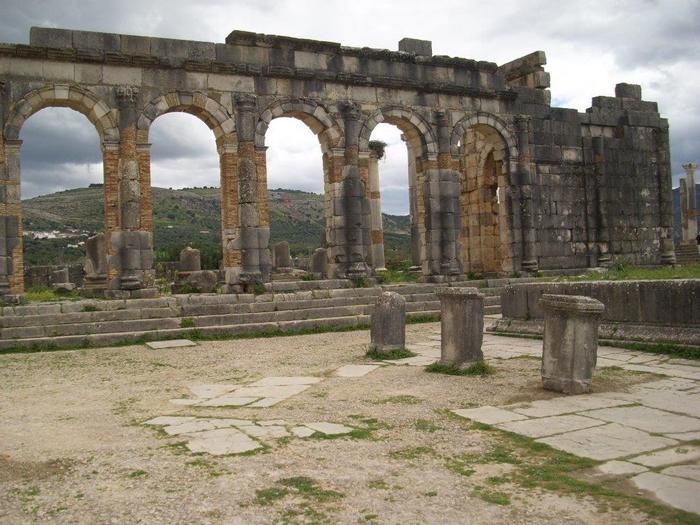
(440, 117)
(143, 146)
(110, 146)
(246, 101)
(13, 144)
(351, 110)
(377, 147)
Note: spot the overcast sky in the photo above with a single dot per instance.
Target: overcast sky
(590, 46)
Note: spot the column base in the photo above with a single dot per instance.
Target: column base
(530, 266)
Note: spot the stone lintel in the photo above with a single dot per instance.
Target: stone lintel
(467, 292)
(572, 303)
(417, 47)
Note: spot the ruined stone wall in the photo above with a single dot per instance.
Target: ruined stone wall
(558, 172)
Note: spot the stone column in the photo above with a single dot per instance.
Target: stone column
(663, 162)
(449, 190)
(413, 205)
(689, 219)
(11, 257)
(525, 173)
(570, 344)
(333, 237)
(230, 221)
(388, 324)
(355, 202)
(131, 245)
(461, 326)
(254, 238)
(604, 257)
(376, 152)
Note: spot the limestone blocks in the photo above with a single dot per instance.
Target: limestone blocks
(388, 324)
(190, 276)
(95, 268)
(281, 258)
(570, 344)
(60, 281)
(319, 263)
(462, 326)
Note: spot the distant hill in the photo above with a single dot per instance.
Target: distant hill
(186, 216)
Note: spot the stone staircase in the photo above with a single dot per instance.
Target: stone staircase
(286, 306)
(687, 254)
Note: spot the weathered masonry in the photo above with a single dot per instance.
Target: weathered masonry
(500, 180)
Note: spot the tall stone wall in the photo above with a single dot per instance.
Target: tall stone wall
(500, 181)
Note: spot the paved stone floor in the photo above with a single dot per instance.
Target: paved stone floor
(183, 435)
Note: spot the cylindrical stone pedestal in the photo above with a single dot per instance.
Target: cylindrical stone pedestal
(462, 326)
(388, 325)
(570, 345)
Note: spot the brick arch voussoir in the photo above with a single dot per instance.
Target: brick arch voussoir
(211, 112)
(484, 119)
(404, 118)
(313, 114)
(71, 96)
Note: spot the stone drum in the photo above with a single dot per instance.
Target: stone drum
(570, 344)
(388, 330)
(462, 326)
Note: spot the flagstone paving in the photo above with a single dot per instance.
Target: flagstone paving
(652, 425)
(220, 436)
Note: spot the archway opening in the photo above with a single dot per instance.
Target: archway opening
(392, 174)
(297, 200)
(62, 191)
(485, 201)
(185, 193)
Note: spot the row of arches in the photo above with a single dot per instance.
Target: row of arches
(482, 148)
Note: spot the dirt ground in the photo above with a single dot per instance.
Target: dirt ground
(73, 447)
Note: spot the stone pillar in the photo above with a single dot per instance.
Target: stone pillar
(525, 174)
(604, 257)
(376, 254)
(388, 323)
(11, 257)
(282, 258)
(95, 281)
(333, 238)
(689, 212)
(665, 177)
(131, 246)
(413, 205)
(449, 191)
(230, 220)
(570, 344)
(254, 237)
(462, 326)
(190, 260)
(355, 202)
(319, 263)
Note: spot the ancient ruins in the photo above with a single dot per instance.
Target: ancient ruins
(500, 181)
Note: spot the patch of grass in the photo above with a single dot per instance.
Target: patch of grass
(621, 271)
(186, 322)
(398, 275)
(401, 353)
(430, 494)
(411, 452)
(400, 400)
(497, 498)
(308, 277)
(422, 318)
(89, 308)
(42, 294)
(204, 464)
(672, 349)
(137, 474)
(309, 488)
(378, 484)
(425, 425)
(270, 495)
(259, 289)
(480, 368)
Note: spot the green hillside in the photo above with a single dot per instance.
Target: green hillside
(186, 216)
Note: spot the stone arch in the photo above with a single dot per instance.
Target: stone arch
(63, 95)
(419, 133)
(314, 115)
(487, 156)
(211, 112)
(483, 119)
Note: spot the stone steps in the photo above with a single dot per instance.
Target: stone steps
(687, 254)
(296, 304)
